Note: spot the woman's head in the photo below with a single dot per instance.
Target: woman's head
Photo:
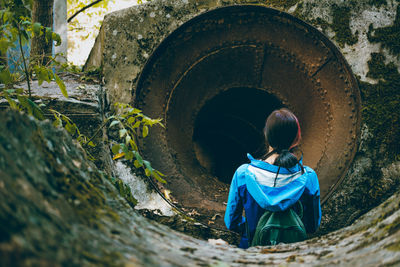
(282, 133)
(282, 130)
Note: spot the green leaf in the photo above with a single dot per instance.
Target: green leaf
(91, 144)
(56, 37)
(131, 120)
(147, 172)
(37, 111)
(5, 44)
(138, 157)
(23, 101)
(133, 145)
(136, 111)
(26, 23)
(113, 123)
(137, 124)
(48, 34)
(71, 128)
(61, 84)
(36, 28)
(7, 15)
(161, 180)
(145, 131)
(128, 138)
(5, 76)
(42, 74)
(124, 148)
(19, 90)
(148, 165)
(137, 164)
(48, 74)
(122, 133)
(115, 149)
(57, 123)
(11, 102)
(129, 155)
(31, 107)
(159, 173)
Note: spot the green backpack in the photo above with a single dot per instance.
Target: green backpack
(280, 227)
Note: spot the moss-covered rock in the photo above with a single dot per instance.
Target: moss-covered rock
(340, 25)
(389, 36)
(58, 209)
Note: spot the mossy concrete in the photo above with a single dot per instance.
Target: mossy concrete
(58, 209)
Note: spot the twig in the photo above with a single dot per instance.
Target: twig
(97, 131)
(83, 9)
(24, 61)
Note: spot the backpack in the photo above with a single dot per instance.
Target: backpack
(280, 227)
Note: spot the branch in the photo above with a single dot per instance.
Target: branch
(24, 61)
(82, 9)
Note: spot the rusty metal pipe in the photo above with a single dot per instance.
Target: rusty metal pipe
(216, 79)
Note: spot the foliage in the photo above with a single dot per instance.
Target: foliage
(17, 31)
(132, 124)
(17, 27)
(96, 11)
(76, 5)
(20, 102)
(61, 120)
(125, 191)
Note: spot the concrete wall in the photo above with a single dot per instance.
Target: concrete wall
(61, 27)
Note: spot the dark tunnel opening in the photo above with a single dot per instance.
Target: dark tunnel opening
(229, 126)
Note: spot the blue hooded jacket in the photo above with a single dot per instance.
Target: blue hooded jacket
(253, 188)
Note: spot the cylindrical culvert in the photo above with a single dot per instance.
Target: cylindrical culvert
(215, 80)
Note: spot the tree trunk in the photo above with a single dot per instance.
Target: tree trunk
(42, 12)
(3, 56)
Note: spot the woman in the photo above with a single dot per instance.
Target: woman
(275, 183)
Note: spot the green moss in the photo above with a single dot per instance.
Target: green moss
(340, 21)
(341, 25)
(84, 193)
(299, 11)
(87, 197)
(107, 258)
(393, 227)
(381, 105)
(281, 4)
(378, 3)
(389, 36)
(322, 23)
(394, 247)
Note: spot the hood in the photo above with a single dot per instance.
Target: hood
(271, 194)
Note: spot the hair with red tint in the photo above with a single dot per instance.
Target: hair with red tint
(282, 132)
(297, 140)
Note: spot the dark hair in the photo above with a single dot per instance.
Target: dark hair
(282, 132)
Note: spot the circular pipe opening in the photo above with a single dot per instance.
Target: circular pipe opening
(215, 80)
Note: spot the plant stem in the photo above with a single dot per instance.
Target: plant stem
(24, 61)
(97, 131)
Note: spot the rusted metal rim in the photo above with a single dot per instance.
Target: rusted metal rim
(233, 66)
